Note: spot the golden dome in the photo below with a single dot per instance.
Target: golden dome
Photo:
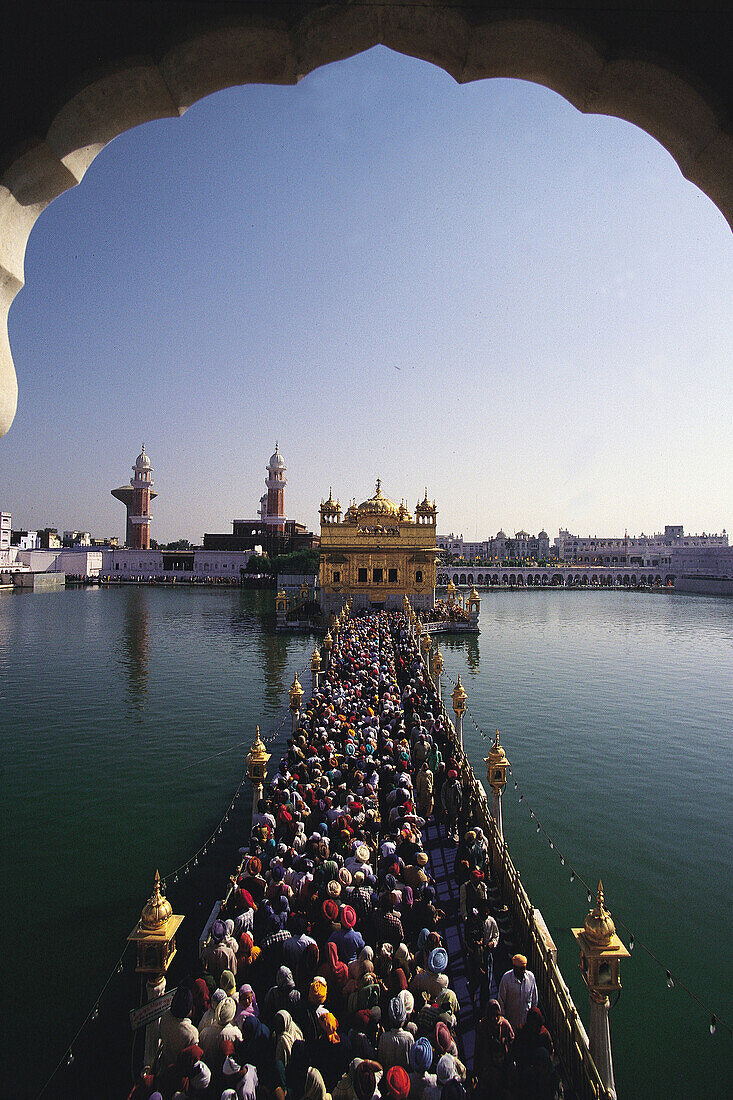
(473, 594)
(378, 505)
(598, 926)
(158, 909)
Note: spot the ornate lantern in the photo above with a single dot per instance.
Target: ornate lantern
(296, 694)
(155, 934)
(281, 602)
(328, 644)
(437, 663)
(601, 951)
(496, 766)
(459, 699)
(257, 760)
(425, 645)
(316, 661)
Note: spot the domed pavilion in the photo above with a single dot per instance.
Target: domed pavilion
(378, 553)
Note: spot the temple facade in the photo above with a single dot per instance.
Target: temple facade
(377, 553)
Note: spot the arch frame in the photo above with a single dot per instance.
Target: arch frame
(252, 45)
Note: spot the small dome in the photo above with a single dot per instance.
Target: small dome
(276, 461)
(142, 462)
(599, 927)
(157, 911)
(543, 535)
(500, 535)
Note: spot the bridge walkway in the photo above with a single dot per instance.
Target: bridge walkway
(441, 855)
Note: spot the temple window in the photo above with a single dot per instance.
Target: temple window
(336, 576)
(392, 576)
(418, 576)
(362, 576)
(377, 575)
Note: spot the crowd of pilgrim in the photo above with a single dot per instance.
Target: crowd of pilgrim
(325, 975)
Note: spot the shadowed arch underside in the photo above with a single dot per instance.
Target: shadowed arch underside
(179, 63)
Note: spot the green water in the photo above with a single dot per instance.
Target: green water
(615, 710)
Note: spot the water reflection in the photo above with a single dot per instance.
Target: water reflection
(465, 644)
(136, 646)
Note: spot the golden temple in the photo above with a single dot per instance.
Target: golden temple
(378, 553)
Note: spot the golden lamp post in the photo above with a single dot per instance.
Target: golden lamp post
(295, 695)
(459, 708)
(426, 645)
(437, 667)
(257, 769)
(155, 937)
(497, 766)
(327, 647)
(315, 667)
(601, 952)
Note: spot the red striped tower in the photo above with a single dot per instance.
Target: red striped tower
(275, 482)
(140, 517)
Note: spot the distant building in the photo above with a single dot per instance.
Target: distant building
(77, 538)
(137, 565)
(48, 539)
(137, 497)
(377, 554)
(271, 533)
(25, 540)
(651, 551)
(500, 548)
(6, 524)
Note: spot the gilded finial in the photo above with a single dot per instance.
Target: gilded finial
(379, 486)
(157, 909)
(599, 926)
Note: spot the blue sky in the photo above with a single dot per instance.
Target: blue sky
(474, 288)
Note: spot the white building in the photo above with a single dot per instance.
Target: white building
(138, 565)
(5, 527)
(77, 538)
(502, 546)
(651, 551)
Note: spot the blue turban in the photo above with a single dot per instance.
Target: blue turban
(421, 1055)
(438, 960)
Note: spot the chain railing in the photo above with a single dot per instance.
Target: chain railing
(569, 1035)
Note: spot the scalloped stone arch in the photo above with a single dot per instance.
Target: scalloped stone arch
(264, 50)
